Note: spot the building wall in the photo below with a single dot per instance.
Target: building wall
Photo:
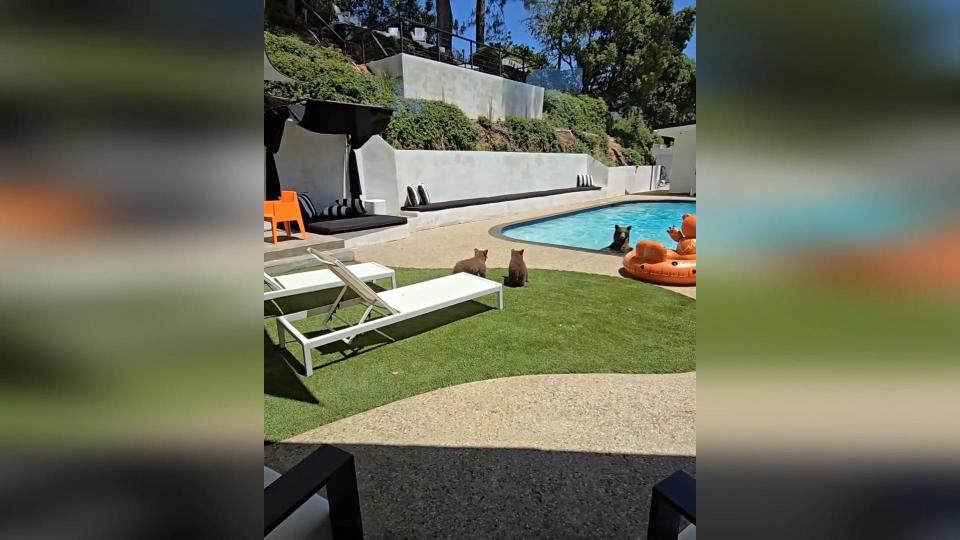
(309, 162)
(477, 94)
(634, 179)
(454, 175)
(377, 165)
(683, 174)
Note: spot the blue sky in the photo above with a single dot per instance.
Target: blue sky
(514, 15)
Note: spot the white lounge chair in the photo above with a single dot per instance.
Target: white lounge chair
(319, 280)
(393, 306)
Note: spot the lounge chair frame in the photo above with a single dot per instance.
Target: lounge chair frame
(374, 305)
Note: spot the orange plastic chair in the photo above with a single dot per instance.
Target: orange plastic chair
(285, 211)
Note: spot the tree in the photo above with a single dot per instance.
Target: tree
(631, 51)
(487, 19)
(445, 23)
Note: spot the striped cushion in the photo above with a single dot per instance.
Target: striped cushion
(584, 180)
(307, 208)
(354, 204)
(422, 193)
(412, 197)
(336, 210)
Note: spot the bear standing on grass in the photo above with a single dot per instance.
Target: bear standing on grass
(517, 272)
(476, 265)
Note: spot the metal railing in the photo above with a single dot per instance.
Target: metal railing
(308, 12)
(402, 35)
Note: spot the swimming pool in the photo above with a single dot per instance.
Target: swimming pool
(593, 228)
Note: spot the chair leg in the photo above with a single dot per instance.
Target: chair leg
(307, 360)
(303, 230)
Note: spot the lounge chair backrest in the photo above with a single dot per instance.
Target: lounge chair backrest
(274, 284)
(350, 280)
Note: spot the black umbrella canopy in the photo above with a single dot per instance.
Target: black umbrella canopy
(359, 122)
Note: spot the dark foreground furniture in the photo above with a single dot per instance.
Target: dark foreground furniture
(673, 497)
(488, 200)
(296, 491)
(335, 225)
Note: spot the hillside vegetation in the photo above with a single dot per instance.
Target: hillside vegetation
(571, 123)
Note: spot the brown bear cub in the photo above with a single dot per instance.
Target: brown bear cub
(621, 239)
(476, 265)
(517, 272)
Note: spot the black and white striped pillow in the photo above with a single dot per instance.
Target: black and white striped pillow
(584, 180)
(307, 208)
(354, 204)
(412, 197)
(422, 194)
(336, 210)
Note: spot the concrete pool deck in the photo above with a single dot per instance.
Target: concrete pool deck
(534, 456)
(444, 246)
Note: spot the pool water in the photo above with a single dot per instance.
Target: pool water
(593, 229)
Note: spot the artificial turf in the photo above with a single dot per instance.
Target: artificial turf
(561, 322)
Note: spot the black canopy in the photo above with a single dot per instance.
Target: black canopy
(358, 122)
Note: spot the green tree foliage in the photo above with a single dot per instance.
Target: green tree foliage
(372, 13)
(488, 22)
(631, 51)
(635, 136)
(322, 73)
(430, 125)
(576, 112)
(674, 98)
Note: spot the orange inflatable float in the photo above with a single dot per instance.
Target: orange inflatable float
(652, 261)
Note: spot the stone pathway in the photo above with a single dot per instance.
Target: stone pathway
(444, 246)
(530, 456)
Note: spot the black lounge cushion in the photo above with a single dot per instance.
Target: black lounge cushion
(336, 225)
(499, 198)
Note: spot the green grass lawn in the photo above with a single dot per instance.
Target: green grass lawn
(561, 322)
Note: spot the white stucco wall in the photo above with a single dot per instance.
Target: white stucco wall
(311, 163)
(453, 175)
(634, 179)
(477, 94)
(683, 174)
(376, 163)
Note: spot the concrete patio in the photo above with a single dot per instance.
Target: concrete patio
(538, 456)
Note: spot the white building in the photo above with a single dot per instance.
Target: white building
(679, 159)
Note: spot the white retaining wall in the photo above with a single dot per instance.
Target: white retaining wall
(377, 165)
(477, 94)
(309, 162)
(454, 175)
(634, 179)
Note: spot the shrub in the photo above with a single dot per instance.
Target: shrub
(595, 145)
(576, 112)
(323, 73)
(636, 157)
(430, 125)
(485, 122)
(634, 134)
(532, 135)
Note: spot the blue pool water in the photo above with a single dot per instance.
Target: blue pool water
(593, 229)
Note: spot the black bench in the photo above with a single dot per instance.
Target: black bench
(498, 198)
(335, 225)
